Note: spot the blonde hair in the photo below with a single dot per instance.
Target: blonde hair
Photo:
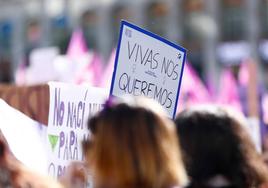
(132, 146)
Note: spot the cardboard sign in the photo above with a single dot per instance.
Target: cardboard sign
(31, 100)
(148, 65)
(69, 109)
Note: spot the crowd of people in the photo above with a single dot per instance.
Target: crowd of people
(133, 144)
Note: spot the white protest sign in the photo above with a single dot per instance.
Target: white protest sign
(69, 109)
(25, 137)
(148, 65)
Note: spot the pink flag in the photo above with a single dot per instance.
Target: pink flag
(193, 91)
(97, 66)
(77, 45)
(92, 71)
(243, 74)
(108, 73)
(229, 93)
(89, 64)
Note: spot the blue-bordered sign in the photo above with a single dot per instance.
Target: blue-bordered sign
(148, 65)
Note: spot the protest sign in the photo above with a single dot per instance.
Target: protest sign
(25, 137)
(69, 109)
(148, 65)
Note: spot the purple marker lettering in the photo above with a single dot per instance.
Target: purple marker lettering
(62, 140)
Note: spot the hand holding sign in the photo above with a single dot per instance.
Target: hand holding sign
(148, 65)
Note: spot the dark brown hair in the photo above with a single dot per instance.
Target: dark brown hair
(215, 142)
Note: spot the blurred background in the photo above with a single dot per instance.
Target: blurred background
(75, 40)
(217, 33)
(224, 38)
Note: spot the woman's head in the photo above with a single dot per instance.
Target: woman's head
(134, 145)
(215, 143)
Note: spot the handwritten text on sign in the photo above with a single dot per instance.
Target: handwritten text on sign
(148, 65)
(70, 107)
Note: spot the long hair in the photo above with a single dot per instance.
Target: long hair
(215, 142)
(132, 146)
